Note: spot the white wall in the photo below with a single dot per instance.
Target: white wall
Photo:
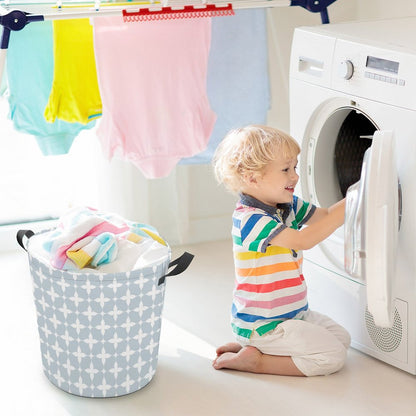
(188, 206)
(369, 9)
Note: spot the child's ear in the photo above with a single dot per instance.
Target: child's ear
(251, 178)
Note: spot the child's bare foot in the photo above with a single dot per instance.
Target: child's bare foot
(250, 359)
(238, 358)
(230, 347)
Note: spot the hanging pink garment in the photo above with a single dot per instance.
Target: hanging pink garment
(152, 78)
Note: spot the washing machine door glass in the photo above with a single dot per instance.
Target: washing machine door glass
(372, 224)
(334, 150)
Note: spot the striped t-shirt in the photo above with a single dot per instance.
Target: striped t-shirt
(269, 285)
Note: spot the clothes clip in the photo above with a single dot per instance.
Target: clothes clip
(168, 13)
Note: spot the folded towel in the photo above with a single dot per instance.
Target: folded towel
(94, 251)
(86, 237)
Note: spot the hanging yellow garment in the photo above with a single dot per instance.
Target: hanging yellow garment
(75, 96)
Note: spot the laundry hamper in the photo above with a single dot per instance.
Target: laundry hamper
(99, 333)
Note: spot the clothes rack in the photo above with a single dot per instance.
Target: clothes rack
(15, 16)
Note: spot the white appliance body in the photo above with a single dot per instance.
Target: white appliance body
(350, 85)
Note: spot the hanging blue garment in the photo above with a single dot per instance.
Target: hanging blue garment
(30, 75)
(238, 79)
(3, 84)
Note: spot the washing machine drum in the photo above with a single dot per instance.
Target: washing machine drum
(334, 155)
(354, 138)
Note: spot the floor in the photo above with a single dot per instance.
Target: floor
(195, 322)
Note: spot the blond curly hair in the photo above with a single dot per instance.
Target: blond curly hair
(248, 150)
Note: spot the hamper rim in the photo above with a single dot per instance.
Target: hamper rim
(79, 276)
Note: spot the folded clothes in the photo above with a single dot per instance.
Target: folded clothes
(86, 237)
(133, 256)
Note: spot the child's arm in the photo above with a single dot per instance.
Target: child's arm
(321, 225)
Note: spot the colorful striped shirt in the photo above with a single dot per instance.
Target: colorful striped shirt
(269, 286)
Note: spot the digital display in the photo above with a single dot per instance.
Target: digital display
(382, 64)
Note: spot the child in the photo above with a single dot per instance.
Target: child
(276, 331)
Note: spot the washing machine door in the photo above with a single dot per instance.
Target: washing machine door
(372, 224)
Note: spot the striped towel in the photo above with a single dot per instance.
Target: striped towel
(86, 237)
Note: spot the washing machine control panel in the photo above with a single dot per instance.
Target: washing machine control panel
(380, 71)
(385, 75)
(346, 71)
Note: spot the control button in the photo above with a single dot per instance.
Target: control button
(390, 80)
(346, 69)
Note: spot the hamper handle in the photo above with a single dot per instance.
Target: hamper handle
(21, 234)
(181, 264)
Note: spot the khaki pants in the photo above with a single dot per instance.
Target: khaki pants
(316, 343)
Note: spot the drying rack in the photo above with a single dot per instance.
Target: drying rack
(15, 16)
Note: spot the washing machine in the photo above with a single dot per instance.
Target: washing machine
(353, 111)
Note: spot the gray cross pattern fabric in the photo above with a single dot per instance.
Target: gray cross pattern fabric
(99, 333)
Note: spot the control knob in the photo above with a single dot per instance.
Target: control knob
(346, 69)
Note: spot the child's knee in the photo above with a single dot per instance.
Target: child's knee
(322, 364)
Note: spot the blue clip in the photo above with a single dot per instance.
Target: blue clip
(15, 20)
(315, 6)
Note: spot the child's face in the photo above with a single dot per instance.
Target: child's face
(277, 184)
